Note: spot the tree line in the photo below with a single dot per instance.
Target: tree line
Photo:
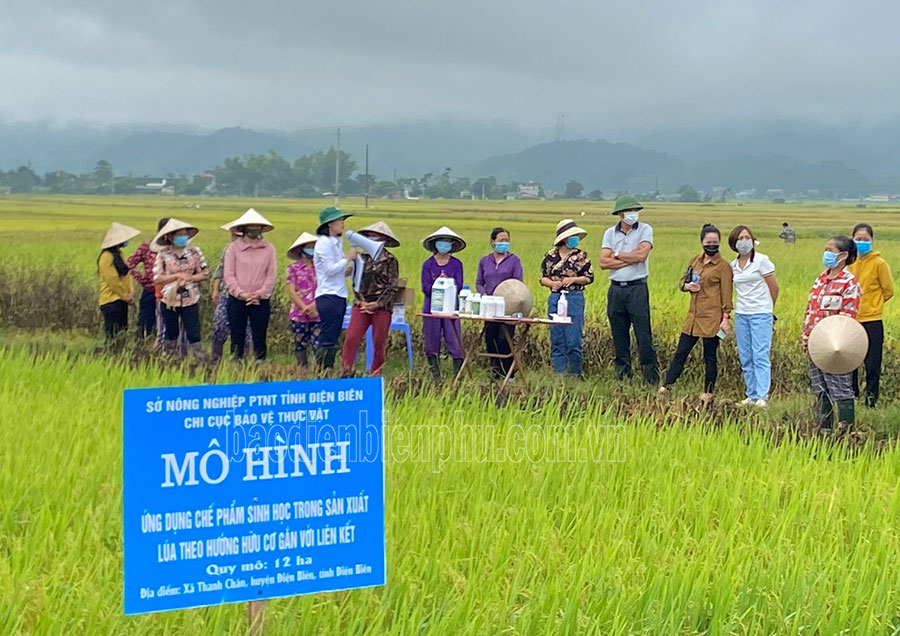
(271, 174)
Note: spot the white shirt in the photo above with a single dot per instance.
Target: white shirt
(753, 296)
(331, 267)
(616, 240)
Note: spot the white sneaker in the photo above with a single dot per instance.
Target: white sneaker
(761, 404)
(747, 402)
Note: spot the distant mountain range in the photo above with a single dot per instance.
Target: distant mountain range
(791, 156)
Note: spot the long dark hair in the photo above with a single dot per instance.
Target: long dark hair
(118, 261)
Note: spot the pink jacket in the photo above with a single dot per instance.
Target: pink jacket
(250, 268)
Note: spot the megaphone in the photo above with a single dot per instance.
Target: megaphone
(367, 245)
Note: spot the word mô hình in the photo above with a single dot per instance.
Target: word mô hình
(261, 462)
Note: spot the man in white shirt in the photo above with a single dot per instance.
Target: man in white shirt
(625, 252)
(332, 266)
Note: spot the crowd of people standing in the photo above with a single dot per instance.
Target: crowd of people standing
(169, 270)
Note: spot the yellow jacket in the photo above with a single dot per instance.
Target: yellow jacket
(876, 283)
(112, 286)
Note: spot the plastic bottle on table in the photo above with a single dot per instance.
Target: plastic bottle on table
(464, 294)
(562, 306)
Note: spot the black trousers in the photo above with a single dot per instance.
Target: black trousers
(331, 310)
(710, 358)
(115, 318)
(239, 313)
(875, 331)
(495, 342)
(147, 313)
(628, 307)
(189, 318)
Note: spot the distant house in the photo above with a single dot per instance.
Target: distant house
(773, 193)
(466, 194)
(5, 190)
(879, 196)
(529, 190)
(160, 187)
(746, 194)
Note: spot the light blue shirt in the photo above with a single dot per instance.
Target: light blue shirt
(331, 267)
(616, 240)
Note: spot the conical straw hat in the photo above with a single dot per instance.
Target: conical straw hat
(517, 297)
(444, 233)
(163, 238)
(381, 228)
(838, 345)
(118, 234)
(567, 228)
(304, 239)
(250, 217)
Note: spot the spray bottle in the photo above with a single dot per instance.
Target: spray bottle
(562, 306)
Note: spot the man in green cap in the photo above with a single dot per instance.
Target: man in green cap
(332, 267)
(625, 252)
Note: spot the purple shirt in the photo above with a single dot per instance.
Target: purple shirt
(491, 273)
(431, 271)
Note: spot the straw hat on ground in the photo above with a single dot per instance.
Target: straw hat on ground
(328, 215)
(118, 234)
(164, 238)
(457, 242)
(517, 297)
(250, 217)
(302, 241)
(567, 228)
(838, 344)
(384, 233)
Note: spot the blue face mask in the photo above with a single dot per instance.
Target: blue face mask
(863, 247)
(180, 241)
(309, 251)
(830, 259)
(501, 248)
(125, 244)
(443, 247)
(572, 242)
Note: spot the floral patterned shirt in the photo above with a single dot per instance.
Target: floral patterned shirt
(167, 263)
(303, 277)
(146, 258)
(831, 297)
(577, 263)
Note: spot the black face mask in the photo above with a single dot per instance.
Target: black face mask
(711, 250)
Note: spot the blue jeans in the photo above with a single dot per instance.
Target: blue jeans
(565, 341)
(754, 341)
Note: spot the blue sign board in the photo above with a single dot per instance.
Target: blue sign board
(245, 492)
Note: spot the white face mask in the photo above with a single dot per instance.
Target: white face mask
(744, 246)
(630, 217)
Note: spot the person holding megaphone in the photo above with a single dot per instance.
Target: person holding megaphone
(332, 267)
(375, 284)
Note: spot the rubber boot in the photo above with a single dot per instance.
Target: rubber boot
(435, 365)
(457, 365)
(846, 415)
(197, 352)
(824, 413)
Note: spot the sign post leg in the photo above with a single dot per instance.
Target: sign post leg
(256, 617)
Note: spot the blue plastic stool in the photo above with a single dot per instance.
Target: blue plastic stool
(370, 349)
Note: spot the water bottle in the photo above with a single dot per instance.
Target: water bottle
(562, 306)
(464, 293)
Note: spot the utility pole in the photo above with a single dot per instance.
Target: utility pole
(367, 176)
(337, 167)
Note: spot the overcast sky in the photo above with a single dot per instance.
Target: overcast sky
(292, 64)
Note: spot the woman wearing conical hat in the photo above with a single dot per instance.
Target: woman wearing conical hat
(375, 296)
(567, 268)
(835, 292)
(332, 266)
(301, 281)
(179, 268)
(116, 286)
(442, 244)
(250, 272)
(221, 329)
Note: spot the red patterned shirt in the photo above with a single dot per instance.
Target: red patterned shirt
(143, 255)
(830, 297)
